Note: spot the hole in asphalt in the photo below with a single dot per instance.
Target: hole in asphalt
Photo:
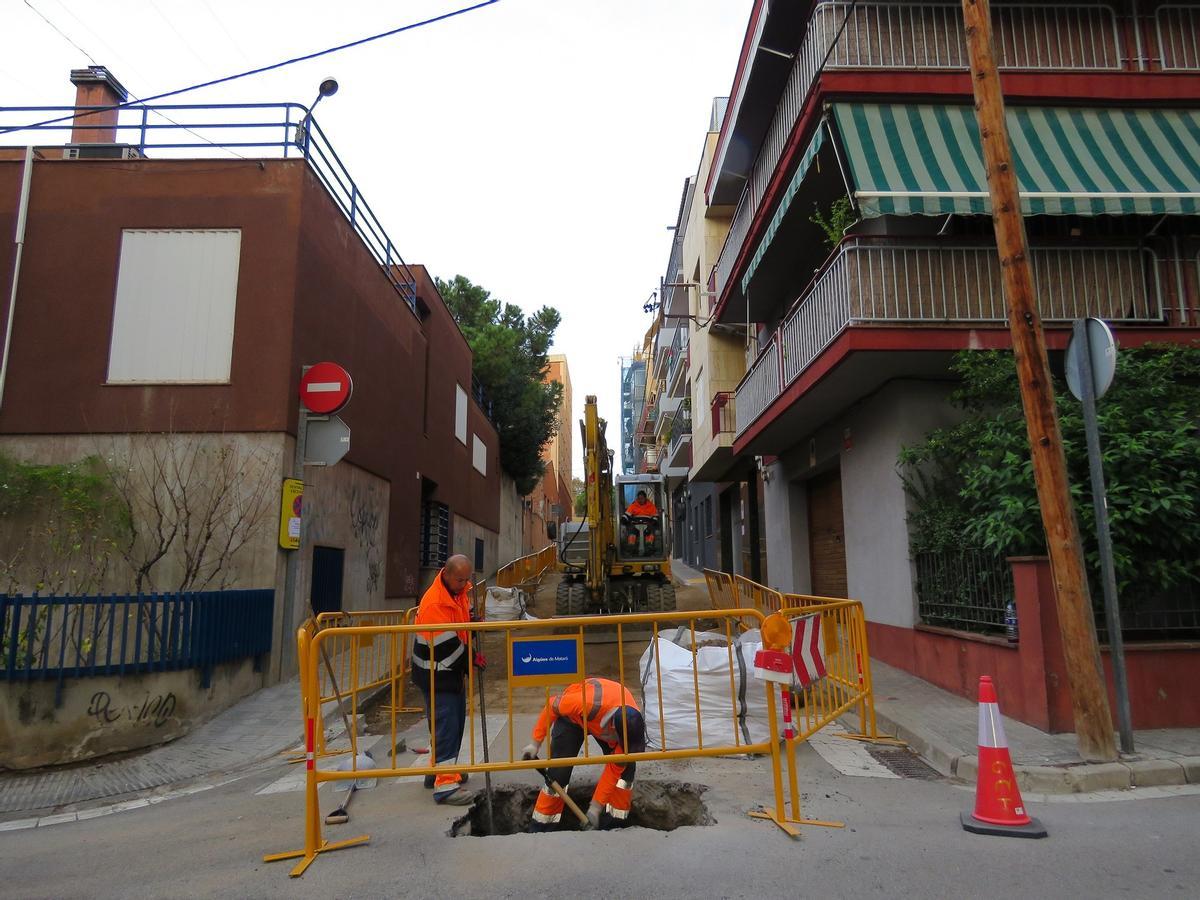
(660, 805)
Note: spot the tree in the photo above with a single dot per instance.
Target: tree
(972, 483)
(61, 526)
(511, 360)
(579, 492)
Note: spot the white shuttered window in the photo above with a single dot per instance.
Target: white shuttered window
(460, 413)
(479, 455)
(173, 316)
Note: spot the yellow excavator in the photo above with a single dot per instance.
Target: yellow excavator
(618, 558)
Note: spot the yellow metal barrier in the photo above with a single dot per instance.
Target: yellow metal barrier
(844, 627)
(721, 590)
(348, 669)
(761, 597)
(528, 569)
(392, 637)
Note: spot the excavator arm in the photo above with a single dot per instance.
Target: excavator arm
(597, 463)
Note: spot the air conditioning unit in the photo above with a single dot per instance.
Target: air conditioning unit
(101, 151)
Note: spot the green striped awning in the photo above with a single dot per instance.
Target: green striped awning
(785, 202)
(925, 159)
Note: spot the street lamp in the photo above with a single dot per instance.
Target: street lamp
(327, 88)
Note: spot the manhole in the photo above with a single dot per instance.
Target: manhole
(660, 805)
(904, 763)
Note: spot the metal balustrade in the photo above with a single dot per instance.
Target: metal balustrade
(875, 282)
(929, 36)
(1177, 30)
(760, 386)
(60, 637)
(724, 419)
(191, 131)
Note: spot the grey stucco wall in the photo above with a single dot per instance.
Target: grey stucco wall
(509, 540)
(465, 534)
(878, 565)
(864, 442)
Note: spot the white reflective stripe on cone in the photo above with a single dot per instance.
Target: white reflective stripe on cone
(991, 726)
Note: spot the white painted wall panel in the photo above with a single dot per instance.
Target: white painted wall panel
(174, 310)
(479, 455)
(460, 413)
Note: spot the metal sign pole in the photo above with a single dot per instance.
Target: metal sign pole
(291, 574)
(1112, 615)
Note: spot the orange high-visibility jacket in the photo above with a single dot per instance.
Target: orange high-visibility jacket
(446, 650)
(600, 698)
(642, 509)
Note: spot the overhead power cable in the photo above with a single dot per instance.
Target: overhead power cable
(260, 70)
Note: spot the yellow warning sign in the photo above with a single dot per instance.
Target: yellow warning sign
(291, 503)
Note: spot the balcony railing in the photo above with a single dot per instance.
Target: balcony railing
(1176, 28)
(678, 356)
(679, 450)
(872, 282)
(930, 37)
(723, 416)
(263, 130)
(760, 386)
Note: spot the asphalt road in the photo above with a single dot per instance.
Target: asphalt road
(902, 837)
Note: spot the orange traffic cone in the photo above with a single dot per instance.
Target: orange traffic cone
(998, 806)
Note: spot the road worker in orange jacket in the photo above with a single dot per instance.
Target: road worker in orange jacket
(439, 669)
(642, 506)
(609, 713)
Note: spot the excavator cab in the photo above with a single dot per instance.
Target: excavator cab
(640, 530)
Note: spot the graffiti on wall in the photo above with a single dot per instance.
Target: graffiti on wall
(154, 710)
(364, 521)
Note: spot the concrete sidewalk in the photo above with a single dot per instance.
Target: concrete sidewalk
(684, 575)
(260, 726)
(944, 729)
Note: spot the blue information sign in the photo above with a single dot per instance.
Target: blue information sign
(545, 660)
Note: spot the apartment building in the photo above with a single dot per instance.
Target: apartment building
(860, 253)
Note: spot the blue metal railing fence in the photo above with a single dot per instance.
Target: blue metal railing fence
(273, 130)
(44, 638)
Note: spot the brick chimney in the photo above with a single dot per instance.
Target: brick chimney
(96, 86)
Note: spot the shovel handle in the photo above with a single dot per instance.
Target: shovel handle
(571, 804)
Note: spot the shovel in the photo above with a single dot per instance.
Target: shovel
(341, 815)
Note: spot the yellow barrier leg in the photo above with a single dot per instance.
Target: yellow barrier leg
(777, 815)
(797, 818)
(313, 843)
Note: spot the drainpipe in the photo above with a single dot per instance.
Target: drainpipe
(19, 240)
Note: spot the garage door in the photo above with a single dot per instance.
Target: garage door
(827, 535)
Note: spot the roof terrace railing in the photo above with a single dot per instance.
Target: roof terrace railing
(191, 131)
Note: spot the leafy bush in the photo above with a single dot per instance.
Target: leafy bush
(972, 484)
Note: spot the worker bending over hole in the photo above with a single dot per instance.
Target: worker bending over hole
(614, 720)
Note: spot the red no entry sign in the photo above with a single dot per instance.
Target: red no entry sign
(325, 388)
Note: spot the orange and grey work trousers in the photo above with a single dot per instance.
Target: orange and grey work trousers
(614, 790)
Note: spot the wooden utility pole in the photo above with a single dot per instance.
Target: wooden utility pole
(1093, 721)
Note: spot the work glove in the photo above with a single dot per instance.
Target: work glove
(480, 660)
(531, 750)
(593, 814)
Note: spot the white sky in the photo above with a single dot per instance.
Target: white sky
(538, 147)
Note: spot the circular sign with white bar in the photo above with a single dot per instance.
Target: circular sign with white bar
(325, 388)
